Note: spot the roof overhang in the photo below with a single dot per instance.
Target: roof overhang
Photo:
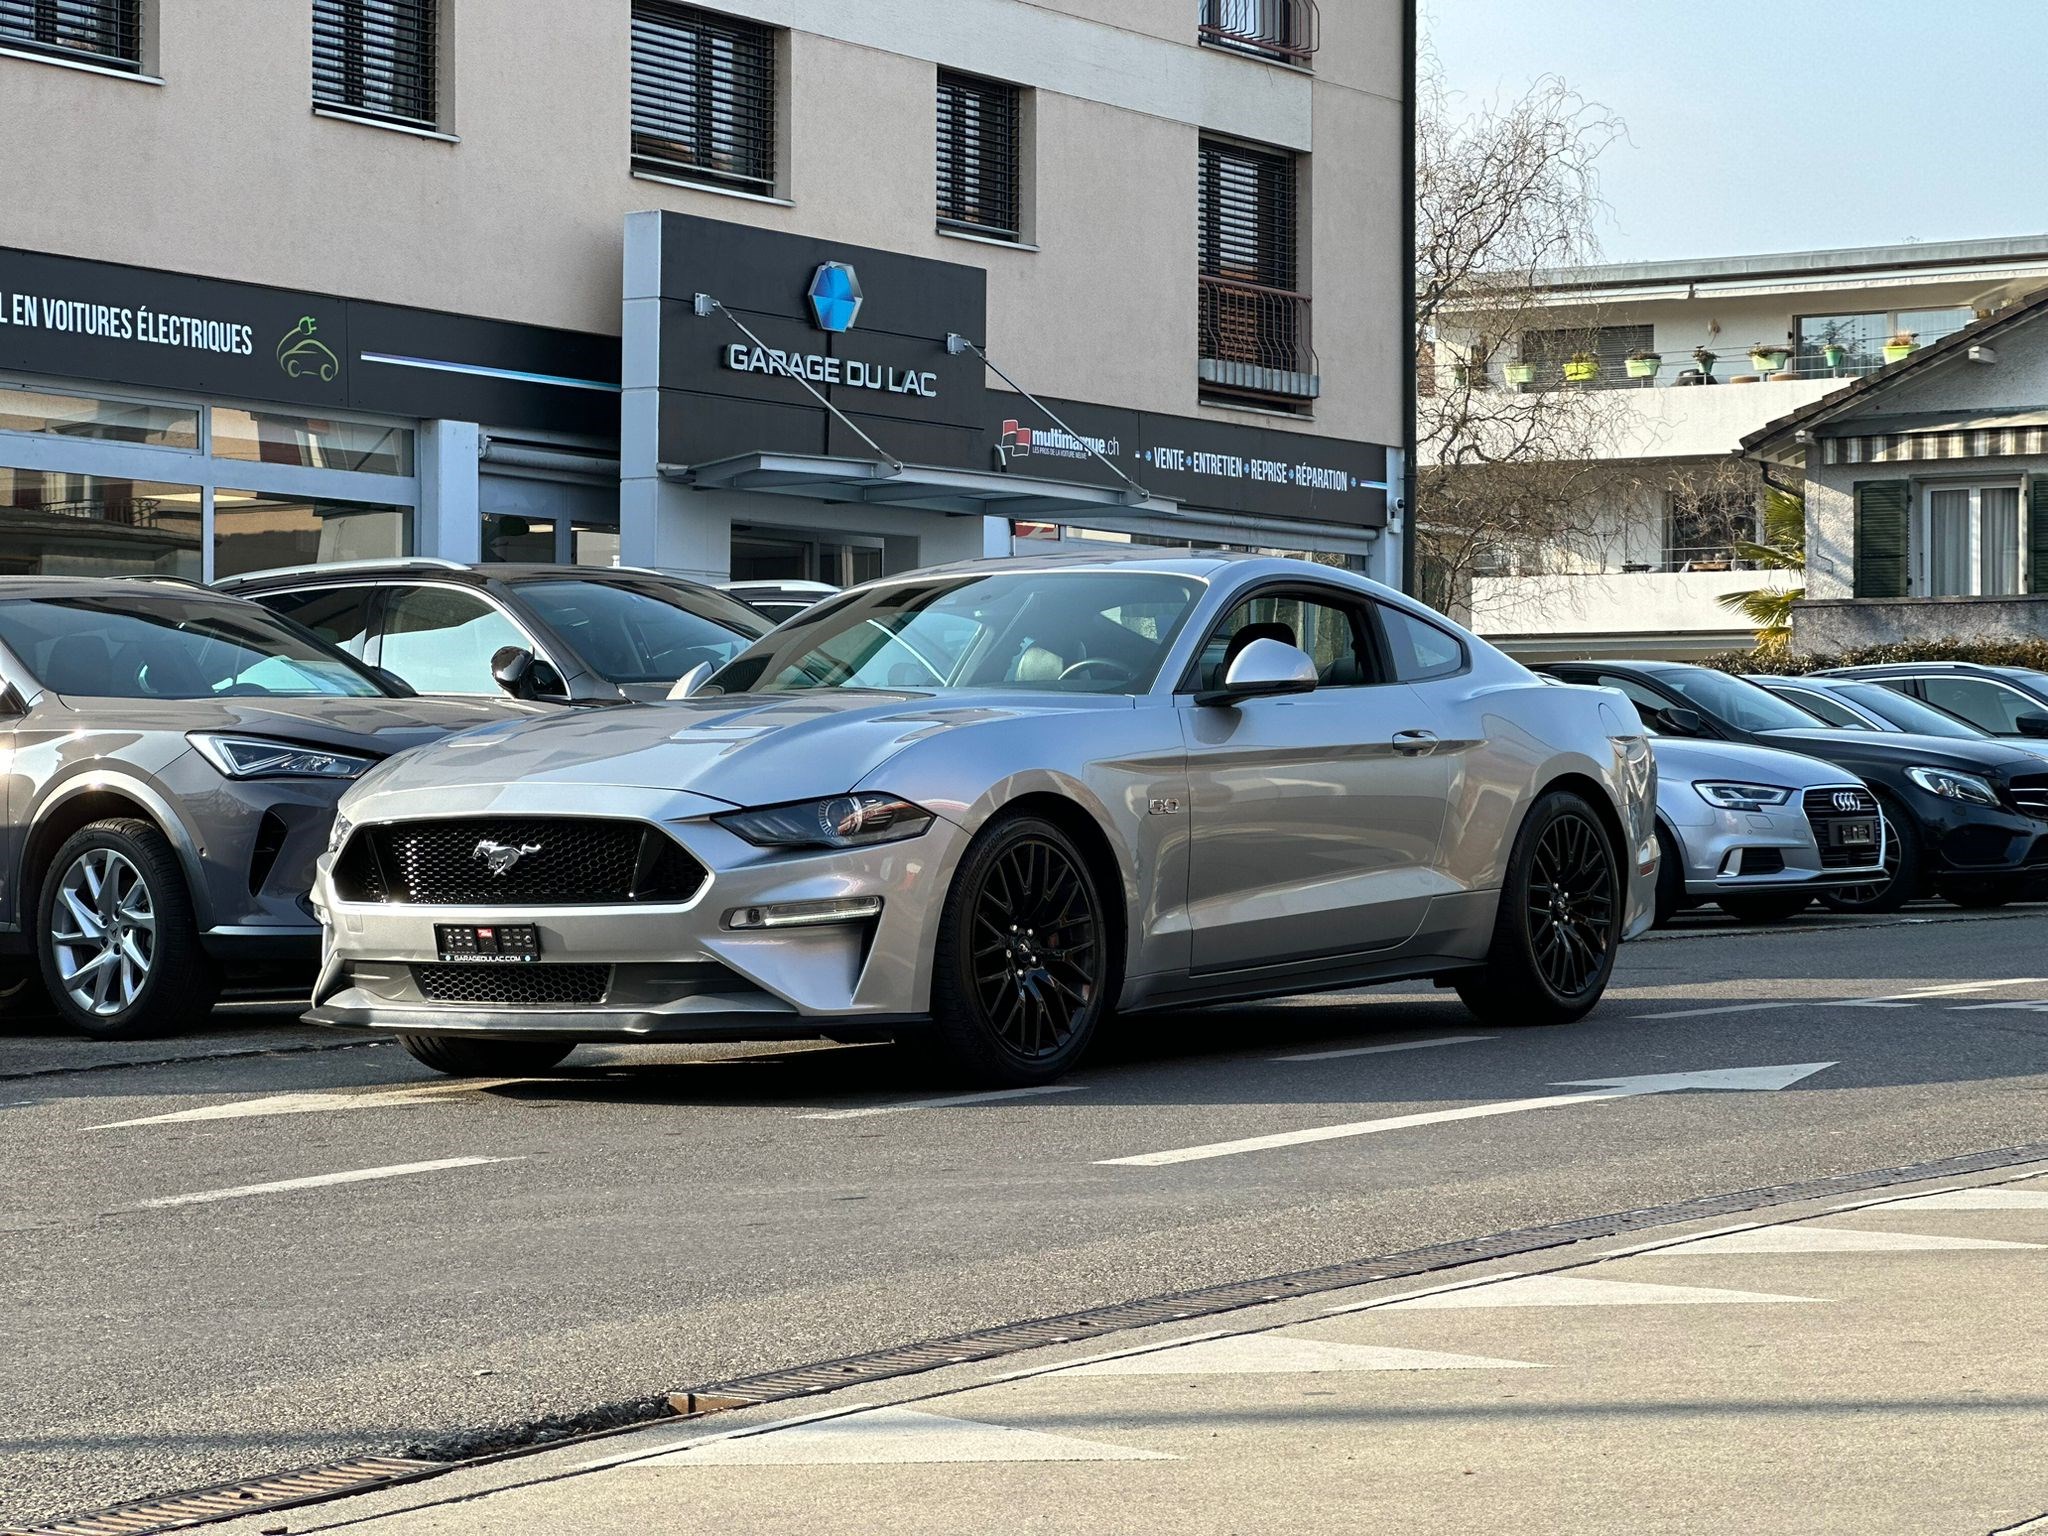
(873, 482)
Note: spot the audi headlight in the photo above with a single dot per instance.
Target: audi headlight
(252, 757)
(845, 821)
(1742, 797)
(1945, 785)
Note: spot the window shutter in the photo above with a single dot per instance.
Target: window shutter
(1881, 508)
(2037, 533)
(978, 180)
(703, 97)
(375, 59)
(105, 32)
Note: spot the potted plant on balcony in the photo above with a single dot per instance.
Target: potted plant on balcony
(1902, 346)
(1767, 357)
(1520, 373)
(1581, 368)
(1705, 360)
(1644, 365)
(1832, 353)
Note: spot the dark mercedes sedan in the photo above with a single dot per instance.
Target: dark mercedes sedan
(1966, 819)
(169, 764)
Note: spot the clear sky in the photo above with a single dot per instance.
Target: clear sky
(1777, 125)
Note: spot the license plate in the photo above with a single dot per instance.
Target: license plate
(487, 944)
(1855, 834)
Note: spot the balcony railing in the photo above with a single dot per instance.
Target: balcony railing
(1276, 29)
(1256, 342)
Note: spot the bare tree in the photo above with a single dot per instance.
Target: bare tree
(1505, 194)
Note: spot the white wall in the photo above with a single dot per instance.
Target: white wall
(1650, 603)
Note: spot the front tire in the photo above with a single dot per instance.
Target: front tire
(118, 941)
(1558, 929)
(459, 1056)
(1021, 977)
(1766, 908)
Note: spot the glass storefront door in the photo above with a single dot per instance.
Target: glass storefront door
(774, 554)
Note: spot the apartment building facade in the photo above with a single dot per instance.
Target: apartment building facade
(772, 288)
(1690, 358)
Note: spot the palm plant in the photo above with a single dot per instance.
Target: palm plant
(1782, 548)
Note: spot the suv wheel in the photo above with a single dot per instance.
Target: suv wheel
(118, 942)
(1901, 882)
(1559, 924)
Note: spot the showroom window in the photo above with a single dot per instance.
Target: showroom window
(703, 97)
(103, 32)
(980, 181)
(95, 484)
(376, 59)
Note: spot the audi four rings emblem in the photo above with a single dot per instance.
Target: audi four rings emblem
(500, 857)
(1848, 800)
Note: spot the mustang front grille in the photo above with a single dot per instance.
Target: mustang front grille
(530, 861)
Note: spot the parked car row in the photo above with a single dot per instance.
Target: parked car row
(507, 809)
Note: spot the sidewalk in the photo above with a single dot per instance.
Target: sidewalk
(1854, 1367)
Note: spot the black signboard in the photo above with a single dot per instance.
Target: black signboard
(208, 337)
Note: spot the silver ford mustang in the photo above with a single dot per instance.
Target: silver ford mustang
(987, 805)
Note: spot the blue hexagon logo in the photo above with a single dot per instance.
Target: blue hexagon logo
(835, 297)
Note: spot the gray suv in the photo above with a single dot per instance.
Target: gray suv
(169, 764)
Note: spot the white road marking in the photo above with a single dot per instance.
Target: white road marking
(327, 1101)
(1275, 1354)
(1994, 1198)
(1732, 1079)
(1114, 1354)
(1428, 1290)
(2028, 1005)
(894, 1437)
(1799, 1239)
(319, 1181)
(1570, 1291)
(1378, 1050)
(995, 1097)
(1894, 1000)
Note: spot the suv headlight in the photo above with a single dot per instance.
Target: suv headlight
(844, 821)
(1742, 797)
(252, 757)
(1965, 787)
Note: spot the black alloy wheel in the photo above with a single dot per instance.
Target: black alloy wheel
(1558, 926)
(1023, 960)
(1570, 903)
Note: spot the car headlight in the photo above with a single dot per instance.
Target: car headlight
(337, 835)
(844, 821)
(1742, 797)
(252, 757)
(1965, 787)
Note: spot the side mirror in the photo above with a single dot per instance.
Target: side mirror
(2032, 724)
(512, 670)
(693, 679)
(1264, 669)
(395, 683)
(1680, 721)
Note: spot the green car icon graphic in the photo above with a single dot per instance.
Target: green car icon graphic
(300, 355)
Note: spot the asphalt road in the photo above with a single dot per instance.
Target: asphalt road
(648, 1221)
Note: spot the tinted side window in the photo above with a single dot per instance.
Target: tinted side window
(338, 615)
(1989, 706)
(1649, 703)
(1420, 650)
(441, 640)
(1328, 633)
(1820, 704)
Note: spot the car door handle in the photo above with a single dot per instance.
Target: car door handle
(1415, 743)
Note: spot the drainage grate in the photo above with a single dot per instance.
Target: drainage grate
(308, 1485)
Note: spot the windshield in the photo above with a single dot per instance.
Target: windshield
(123, 647)
(1907, 714)
(1735, 701)
(643, 633)
(1055, 631)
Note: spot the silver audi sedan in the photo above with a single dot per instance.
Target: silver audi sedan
(986, 806)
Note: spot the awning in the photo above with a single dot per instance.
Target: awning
(962, 491)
